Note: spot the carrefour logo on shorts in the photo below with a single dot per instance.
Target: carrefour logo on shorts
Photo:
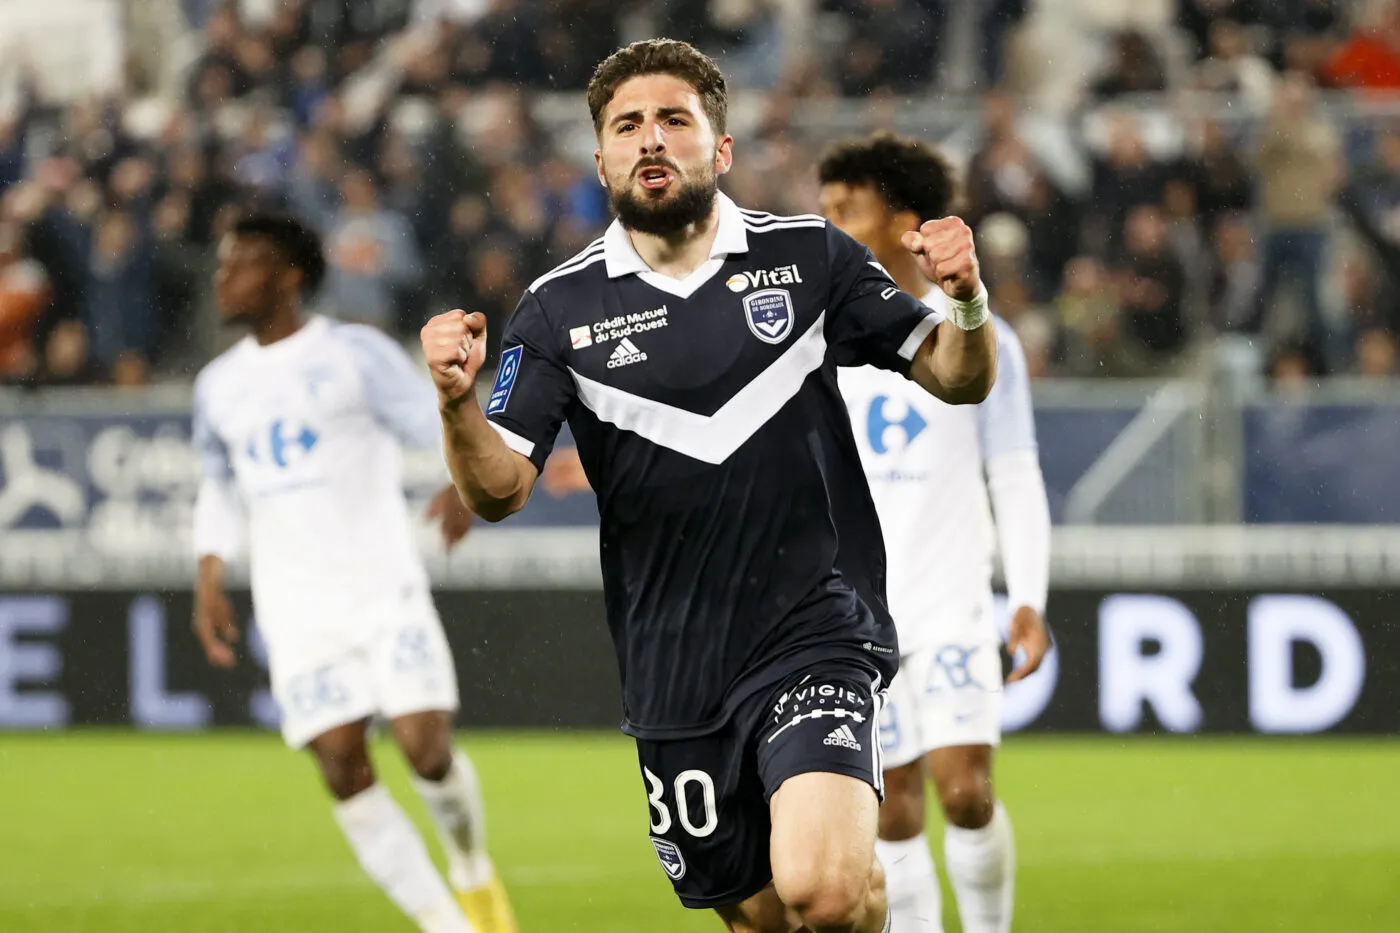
(505, 379)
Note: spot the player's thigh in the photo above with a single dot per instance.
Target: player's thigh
(342, 754)
(820, 761)
(962, 775)
(707, 816)
(412, 663)
(765, 912)
(425, 738)
(823, 838)
(316, 694)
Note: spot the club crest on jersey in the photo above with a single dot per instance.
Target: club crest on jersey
(769, 313)
(670, 857)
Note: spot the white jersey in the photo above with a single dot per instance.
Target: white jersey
(924, 460)
(303, 438)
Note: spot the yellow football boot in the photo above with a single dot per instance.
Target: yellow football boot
(488, 908)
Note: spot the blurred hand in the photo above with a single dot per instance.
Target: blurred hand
(946, 256)
(563, 473)
(214, 625)
(454, 518)
(1028, 633)
(454, 345)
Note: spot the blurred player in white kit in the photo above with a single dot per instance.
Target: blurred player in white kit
(300, 427)
(925, 461)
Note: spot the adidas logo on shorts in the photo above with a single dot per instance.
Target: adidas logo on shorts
(625, 354)
(844, 737)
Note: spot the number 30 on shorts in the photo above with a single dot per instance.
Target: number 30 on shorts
(661, 815)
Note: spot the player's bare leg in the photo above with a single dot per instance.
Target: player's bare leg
(978, 847)
(385, 842)
(822, 848)
(916, 904)
(762, 913)
(447, 782)
(343, 756)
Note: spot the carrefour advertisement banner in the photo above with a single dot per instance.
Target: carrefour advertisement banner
(1175, 661)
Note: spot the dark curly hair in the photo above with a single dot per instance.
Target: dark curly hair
(295, 241)
(660, 57)
(909, 174)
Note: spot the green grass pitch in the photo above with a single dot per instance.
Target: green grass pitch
(117, 833)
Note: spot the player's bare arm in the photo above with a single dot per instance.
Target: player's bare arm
(1029, 634)
(452, 515)
(958, 361)
(213, 613)
(492, 479)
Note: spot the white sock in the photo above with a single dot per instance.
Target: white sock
(981, 865)
(392, 853)
(460, 817)
(911, 885)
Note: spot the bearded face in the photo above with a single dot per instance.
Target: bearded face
(660, 198)
(658, 156)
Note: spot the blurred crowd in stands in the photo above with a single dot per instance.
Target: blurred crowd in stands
(1232, 179)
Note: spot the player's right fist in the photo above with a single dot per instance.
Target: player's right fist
(454, 345)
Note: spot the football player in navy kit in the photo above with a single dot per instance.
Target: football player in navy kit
(693, 351)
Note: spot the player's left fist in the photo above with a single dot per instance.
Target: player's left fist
(946, 255)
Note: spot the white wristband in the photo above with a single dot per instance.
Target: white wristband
(969, 315)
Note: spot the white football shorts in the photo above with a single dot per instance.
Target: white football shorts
(946, 694)
(400, 665)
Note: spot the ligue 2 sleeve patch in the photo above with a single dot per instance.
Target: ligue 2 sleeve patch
(505, 379)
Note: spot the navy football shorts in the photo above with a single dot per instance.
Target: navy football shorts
(708, 796)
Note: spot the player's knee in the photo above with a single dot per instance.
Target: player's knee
(346, 771)
(902, 813)
(967, 801)
(824, 896)
(429, 755)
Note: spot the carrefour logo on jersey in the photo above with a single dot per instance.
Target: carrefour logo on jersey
(763, 278)
(878, 424)
(283, 443)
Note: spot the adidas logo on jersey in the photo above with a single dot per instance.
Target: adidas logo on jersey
(844, 737)
(625, 354)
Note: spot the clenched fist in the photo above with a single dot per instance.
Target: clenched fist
(946, 256)
(455, 347)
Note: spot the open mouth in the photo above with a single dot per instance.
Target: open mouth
(654, 177)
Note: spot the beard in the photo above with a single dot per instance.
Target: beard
(664, 216)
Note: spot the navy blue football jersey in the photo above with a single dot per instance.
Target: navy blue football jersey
(739, 542)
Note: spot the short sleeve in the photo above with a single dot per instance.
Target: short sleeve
(218, 518)
(533, 388)
(213, 452)
(870, 321)
(398, 394)
(1006, 418)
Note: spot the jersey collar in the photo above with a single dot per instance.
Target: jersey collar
(623, 259)
(308, 333)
